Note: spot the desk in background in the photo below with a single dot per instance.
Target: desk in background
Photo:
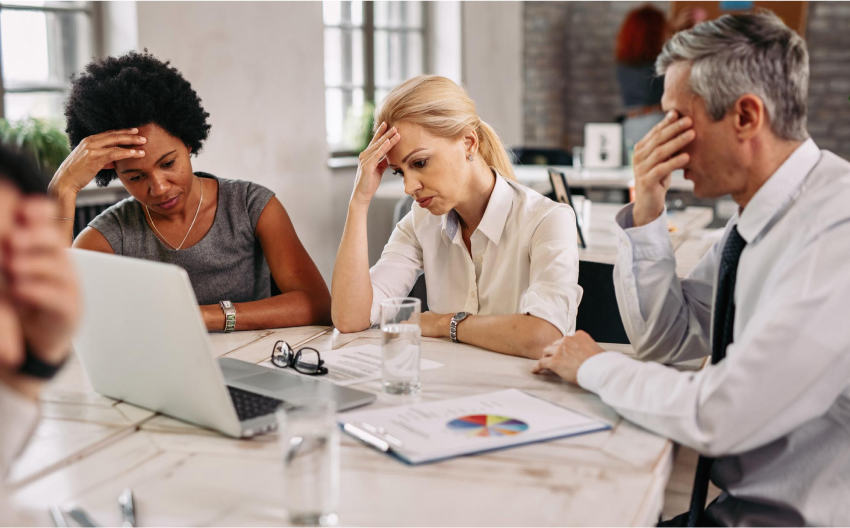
(537, 177)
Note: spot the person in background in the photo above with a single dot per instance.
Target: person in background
(639, 41)
(500, 259)
(137, 119)
(39, 306)
(768, 303)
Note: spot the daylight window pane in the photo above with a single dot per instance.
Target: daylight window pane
(45, 105)
(332, 13)
(333, 56)
(43, 48)
(356, 53)
(351, 13)
(412, 14)
(357, 13)
(25, 49)
(43, 3)
(389, 69)
(413, 53)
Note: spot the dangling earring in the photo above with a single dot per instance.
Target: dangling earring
(470, 157)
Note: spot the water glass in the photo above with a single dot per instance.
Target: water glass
(309, 440)
(400, 335)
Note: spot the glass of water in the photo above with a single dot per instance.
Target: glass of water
(400, 334)
(309, 440)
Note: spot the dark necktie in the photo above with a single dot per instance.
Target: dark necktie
(724, 322)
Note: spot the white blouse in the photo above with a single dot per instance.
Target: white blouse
(524, 260)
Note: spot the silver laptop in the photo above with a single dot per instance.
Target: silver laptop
(143, 340)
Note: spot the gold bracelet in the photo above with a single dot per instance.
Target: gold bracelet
(60, 218)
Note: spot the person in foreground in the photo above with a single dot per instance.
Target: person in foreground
(499, 259)
(39, 307)
(769, 302)
(137, 119)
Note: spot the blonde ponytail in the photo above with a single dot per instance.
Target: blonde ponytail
(444, 109)
(493, 151)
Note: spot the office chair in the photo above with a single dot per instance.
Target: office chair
(562, 194)
(419, 291)
(598, 314)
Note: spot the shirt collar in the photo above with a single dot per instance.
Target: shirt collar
(495, 216)
(777, 190)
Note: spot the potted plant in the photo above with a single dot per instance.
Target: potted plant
(43, 139)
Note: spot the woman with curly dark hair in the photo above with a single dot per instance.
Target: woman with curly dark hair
(135, 118)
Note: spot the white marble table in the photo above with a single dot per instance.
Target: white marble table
(89, 448)
(184, 475)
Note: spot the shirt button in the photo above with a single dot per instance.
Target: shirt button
(479, 259)
(472, 295)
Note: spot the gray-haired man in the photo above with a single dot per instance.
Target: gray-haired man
(769, 302)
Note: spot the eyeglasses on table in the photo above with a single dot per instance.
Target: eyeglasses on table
(305, 360)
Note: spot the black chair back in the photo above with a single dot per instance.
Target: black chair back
(598, 314)
(541, 156)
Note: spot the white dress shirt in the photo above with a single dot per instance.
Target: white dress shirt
(524, 259)
(776, 410)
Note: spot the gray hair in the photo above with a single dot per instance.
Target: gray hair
(750, 53)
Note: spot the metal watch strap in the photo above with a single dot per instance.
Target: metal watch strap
(36, 368)
(229, 316)
(458, 317)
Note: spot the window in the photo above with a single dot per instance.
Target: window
(41, 44)
(370, 47)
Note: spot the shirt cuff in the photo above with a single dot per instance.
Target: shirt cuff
(593, 372)
(648, 242)
(19, 416)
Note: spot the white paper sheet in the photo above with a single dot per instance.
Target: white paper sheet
(357, 364)
(437, 430)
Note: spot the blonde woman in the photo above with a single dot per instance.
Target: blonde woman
(498, 257)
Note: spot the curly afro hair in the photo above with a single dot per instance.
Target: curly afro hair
(130, 91)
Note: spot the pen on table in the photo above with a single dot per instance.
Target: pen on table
(57, 516)
(128, 508)
(79, 515)
(376, 437)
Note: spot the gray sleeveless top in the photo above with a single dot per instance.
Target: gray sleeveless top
(227, 264)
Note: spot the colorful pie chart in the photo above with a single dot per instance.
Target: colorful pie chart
(487, 425)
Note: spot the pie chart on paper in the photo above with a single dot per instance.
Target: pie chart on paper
(487, 425)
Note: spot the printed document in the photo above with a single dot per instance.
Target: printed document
(432, 431)
(347, 366)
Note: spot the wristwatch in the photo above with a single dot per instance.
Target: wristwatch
(229, 316)
(458, 317)
(36, 368)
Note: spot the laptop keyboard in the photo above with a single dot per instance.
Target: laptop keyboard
(250, 405)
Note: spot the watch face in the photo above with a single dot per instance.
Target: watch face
(226, 304)
(460, 316)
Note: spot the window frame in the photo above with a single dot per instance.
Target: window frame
(92, 9)
(368, 28)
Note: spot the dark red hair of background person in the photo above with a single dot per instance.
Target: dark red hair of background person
(641, 36)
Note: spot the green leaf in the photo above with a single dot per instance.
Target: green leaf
(44, 139)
